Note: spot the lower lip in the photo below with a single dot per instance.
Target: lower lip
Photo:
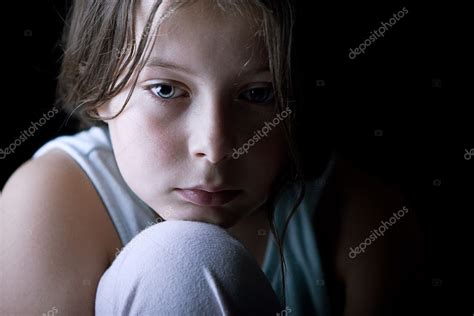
(204, 198)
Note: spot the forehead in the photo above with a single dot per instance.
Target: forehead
(201, 30)
(243, 9)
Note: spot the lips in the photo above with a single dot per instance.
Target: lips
(205, 198)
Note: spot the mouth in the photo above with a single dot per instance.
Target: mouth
(206, 198)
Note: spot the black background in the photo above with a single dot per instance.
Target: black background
(398, 111)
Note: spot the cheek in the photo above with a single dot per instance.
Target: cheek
(272, 148)
(143, 149)
(133, 141)
(265, 161)
(143, 136)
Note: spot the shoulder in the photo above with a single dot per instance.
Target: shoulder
(57, 238)
(367, 203)
(378, 252)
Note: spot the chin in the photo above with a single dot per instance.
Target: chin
(216, 218)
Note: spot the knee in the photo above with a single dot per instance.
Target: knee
(179, 266)
(177, 245)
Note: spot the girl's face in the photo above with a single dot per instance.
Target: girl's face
(205, 91)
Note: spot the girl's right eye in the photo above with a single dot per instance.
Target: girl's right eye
(167, 91)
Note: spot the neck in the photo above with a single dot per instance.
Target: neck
(253, 232)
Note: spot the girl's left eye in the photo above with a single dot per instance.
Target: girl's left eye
(261, 95)
(167, 91)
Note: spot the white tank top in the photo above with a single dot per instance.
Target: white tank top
(92, 151)
(306, 292)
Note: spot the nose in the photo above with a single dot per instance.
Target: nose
(211, 131)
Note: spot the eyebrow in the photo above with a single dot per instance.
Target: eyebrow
(157, 62)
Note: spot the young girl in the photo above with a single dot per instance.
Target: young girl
(195, 118)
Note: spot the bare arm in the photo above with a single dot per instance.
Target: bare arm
(52, 255)
(384, 272)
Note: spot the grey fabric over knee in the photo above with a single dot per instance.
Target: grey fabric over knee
(185, 268)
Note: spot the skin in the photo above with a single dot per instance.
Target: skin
(71, 237)
(187, 140)
(69, 234)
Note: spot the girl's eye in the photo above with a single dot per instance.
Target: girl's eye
(258, 95)
(167, 91)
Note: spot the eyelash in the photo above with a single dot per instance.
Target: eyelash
(269, 98)
(164, 84)
(151, 88)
